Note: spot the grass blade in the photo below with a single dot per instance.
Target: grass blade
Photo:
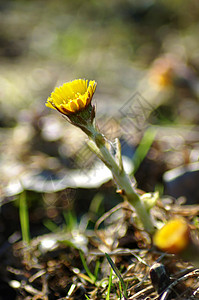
(109, 285)
(143, 148)
(91, 276)
(117, 272)
(24, 218)
(97, 266)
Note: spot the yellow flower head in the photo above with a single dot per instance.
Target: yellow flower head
(172, 237)
(72, 97)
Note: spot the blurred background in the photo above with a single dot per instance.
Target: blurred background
(143, 54)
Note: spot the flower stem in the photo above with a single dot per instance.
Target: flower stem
(99, 146)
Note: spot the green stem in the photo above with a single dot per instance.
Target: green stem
(121, 178)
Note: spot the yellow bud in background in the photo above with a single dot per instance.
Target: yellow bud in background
(173, 237)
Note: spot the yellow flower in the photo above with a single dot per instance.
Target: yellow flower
(72, 97)
(173, 237)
